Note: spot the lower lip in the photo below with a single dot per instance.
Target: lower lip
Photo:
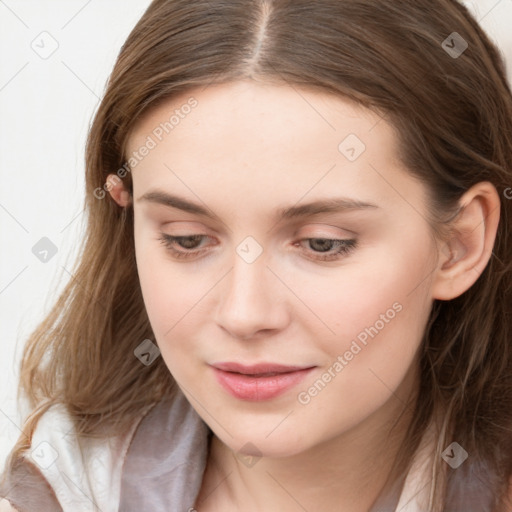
(256, 389)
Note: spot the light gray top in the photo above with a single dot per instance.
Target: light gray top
(159, 464)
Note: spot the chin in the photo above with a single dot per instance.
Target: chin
(259, 444)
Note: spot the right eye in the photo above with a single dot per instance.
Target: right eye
(186, 242)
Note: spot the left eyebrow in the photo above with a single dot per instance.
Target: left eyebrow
(328, 205)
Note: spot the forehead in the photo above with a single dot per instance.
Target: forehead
(242, 108)
(256, 137)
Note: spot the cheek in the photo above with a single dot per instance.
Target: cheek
(379, 318)
(371, 296)
(171, 306)
(169, 293)
(379, 321)
(176, 297)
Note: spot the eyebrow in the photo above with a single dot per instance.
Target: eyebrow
(328, 205)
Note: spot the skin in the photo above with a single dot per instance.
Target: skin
(246, 150)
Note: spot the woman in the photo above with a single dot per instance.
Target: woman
(296, 293)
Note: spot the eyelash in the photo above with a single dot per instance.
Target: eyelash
(344, 247)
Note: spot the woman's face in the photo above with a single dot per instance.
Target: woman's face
(294, 312)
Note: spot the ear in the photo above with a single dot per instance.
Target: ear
(117, 190)
(465, 254)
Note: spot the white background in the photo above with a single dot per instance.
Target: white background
(46, 105)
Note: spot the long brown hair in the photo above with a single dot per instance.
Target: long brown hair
(453, 116)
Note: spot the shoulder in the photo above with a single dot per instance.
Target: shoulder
(62, 466)
(5, 506)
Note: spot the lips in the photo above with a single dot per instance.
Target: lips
(258, 382)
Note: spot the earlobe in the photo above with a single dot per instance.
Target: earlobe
(118, 191)
(468, 250)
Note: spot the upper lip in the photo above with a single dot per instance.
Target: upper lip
(257, 369)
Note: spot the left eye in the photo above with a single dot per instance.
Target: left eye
(327, 249)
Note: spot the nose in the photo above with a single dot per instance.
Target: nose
(253, 301)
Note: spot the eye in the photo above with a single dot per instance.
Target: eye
(186, 242)
(322, 248)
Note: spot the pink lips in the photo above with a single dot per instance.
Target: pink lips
(260, 381)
